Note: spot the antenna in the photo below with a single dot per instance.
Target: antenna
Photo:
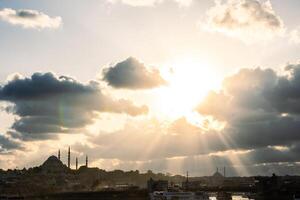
(187, 180)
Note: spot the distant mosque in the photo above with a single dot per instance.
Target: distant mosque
(54, 162)
(217, 174)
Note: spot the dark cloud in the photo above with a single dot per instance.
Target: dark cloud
(48, 104)
(29, 18)
(273, 155)
(254, 91)
(31, 137)
(26, 14)
(132, 74)
(260, 107)
(7, 144)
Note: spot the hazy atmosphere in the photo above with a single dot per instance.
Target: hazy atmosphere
(162, 85)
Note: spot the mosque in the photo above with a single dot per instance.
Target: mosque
(54, 164)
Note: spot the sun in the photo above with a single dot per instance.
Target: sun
(189, 81)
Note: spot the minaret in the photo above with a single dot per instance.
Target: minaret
(69, 157)
(76, 163)
(187, 176)
(187, 180)
(86, 161)
(58, 156)
(224, 171)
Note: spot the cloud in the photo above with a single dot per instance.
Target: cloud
(7, 144)
(184, 2)
(261, 110)
(132, 74)
(30, 18)
(47, 104)
(158, 140)
(260, 107)
(23, 136)
(137, 3)
(248, 20)
(295, 36)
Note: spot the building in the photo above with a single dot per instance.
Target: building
(53, 165)
(159, 185)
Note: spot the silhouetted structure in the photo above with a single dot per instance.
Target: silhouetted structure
(55, 177)
(86, 161)
(159, 185)
(187, 180)
(53, 166)
(69, 157)
(58, 156)
(76, 163)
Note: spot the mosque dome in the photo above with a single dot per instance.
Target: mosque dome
(53, 164)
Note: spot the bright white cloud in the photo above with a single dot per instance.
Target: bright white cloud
(248, 20)
(295, 36)
(184, 2)
(150, 2)
(140, 2)
(29, 18)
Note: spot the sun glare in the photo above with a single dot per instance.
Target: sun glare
(189, 80)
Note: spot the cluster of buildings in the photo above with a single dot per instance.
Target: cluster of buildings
(256, 187)
(54, 176)
(50, 177)
(217, 180)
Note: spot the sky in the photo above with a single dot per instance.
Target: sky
(162, 85)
